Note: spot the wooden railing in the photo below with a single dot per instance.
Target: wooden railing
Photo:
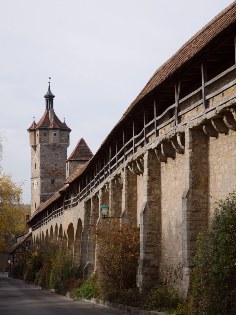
(172, 115)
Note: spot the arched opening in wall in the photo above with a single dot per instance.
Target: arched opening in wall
(56, 233)
(116, 197)
(77, 244)
(104, 196)
(51, 233)
(47, 236)
(42, 237)
(90, 262)
(37, 240)
(60, 234)
(95, 209)
(70, 240)
(129, 214)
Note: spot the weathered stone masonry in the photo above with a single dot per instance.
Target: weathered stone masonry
(163, 166)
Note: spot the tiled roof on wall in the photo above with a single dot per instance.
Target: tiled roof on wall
(81, 152)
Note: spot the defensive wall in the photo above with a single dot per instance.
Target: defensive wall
(163, 167)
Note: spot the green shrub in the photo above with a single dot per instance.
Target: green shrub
(52, 280)
(88, 290)
(131, 297)
(162, 298)
(214, 278)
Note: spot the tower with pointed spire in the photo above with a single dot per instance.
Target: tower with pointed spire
(49, 140)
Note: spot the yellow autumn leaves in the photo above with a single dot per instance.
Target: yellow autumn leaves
(12, 212)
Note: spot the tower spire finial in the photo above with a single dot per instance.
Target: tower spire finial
(49, 97)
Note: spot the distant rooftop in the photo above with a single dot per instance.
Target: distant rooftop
(81, 152)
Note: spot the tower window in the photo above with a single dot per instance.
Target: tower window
(52, 181)
(35, 205)
(44, 134)
(35, 165)
(55, 134)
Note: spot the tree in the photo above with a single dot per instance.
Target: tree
(214, 280)
(12, 212)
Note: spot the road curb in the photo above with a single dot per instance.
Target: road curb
(122, 308)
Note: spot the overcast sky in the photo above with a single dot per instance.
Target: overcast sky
(99, 54)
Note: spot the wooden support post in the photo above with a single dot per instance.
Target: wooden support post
(95, 175)
(144, 126)
(124, 144)
(116, 156)
(86, 183)
(177, 91)
(89, 178)
(155, 118)
(235, 49)
(104, 169)
(133, 138)
(203, 74)
(99, 173)
(109, 160)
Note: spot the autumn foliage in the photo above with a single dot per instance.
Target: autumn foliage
(117, 256)
(12, 212)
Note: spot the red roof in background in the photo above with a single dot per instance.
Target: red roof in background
(81, 152)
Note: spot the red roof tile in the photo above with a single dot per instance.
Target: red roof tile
(33, 126)
(55, 123)
(81, 152)
(45, 122)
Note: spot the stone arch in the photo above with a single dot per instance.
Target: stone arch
(91, 241)
(60, 233)
(56, 231)
(51, 234)
(47, 236)
(104, 196)
(70, 239)
(77, 243)
(42, 237)
(37, 240)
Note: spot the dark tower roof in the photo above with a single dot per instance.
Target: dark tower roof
(49, 98)
(49, 93)
(81, 152)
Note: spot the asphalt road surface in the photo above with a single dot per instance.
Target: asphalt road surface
(19, 298)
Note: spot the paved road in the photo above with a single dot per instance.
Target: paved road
(19, 298)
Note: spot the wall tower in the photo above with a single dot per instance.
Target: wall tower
(49, 140)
